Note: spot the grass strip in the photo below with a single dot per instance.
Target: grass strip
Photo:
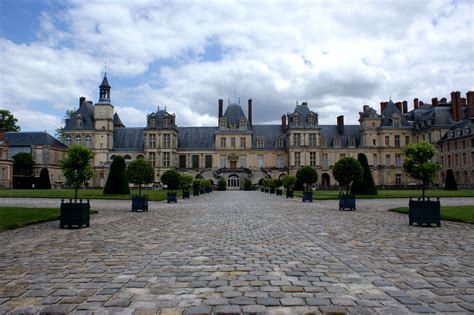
(449, 213)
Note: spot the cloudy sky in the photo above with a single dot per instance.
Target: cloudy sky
(337, 55)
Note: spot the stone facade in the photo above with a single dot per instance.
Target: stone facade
(6, 165)
(237, 148)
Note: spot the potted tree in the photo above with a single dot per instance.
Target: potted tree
(196, 187)
(271, 185)
(172, 180)
(307, 176)
(289, 184)
(248, 184)
(221, 184)
(346, 171)
(117, 182)
(419, 165)
(77, 169)
(278, 187)
(207, 183)
(140, 172)
(186, 182)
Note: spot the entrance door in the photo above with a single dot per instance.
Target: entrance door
(233, 182)
(233, 164)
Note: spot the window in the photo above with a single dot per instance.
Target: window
(387, 141)
(153, 122)
(232, 142)
(342, 155)
(387, 160)
(223, 144)
(449, 160)
(243, 161)
(208, 159)
(222, 123)
(260, 142)
(464, 159)
(222, 161)
(396, 122)
(166, 140)
(407, 140)
(166, 159)
(166, 122)
(279, 161)
(374, 142)
(296, 121)
(297, 158)
(88, 139)
(352, 142)
(78, 139)
(182, 161)
(127, 157)
(397, 141)
(242, 143)
(311, 120)
(312, 158)
(375, 161)
(68, 140)
(195, 161)
(297, 139)
(325, 161)
(398, 179)
(456, 159)
(260, 161)
(152, 158)
(322, 142)
(398, 160)
(152, 141)
(243, 123)
(312, 140)
(3, 173)
(280, 142)
(336, 142)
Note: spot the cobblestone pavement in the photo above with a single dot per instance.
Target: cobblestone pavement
(233, 252)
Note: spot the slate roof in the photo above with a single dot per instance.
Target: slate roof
(460, 129)
(33, 138)
(329, 132)
(270, 134)
(105, 82)
(117, 121)
(86, 109)
(429, 116)
(303, 111)
(233, 113)
(389, 111)
(159, 115)
(196, 138)
(128, 139)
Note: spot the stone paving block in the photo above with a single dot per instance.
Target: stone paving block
(420, 308)
(292, 301)
(254, 310)
(317, 301)
(199, 310)
(73, 300)
(268, 301)
(57, 309)
(118, 303)
(242, 300)
(333, 310)
(227, 310)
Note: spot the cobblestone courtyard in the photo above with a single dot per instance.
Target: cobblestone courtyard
(225, 251)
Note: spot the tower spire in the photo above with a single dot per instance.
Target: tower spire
(104, 89)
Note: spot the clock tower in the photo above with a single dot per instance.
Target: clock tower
(103, 123)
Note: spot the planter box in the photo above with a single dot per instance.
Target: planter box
(272, 191)
(171, 197)
(202, 191)
(195, 192)
(262, 189)
(347, 202)
(279, 192)
(425, 212)
(75, 214)
(139, 203)
(289, 194)
(208, 190)
(308, 196)
(185, 194)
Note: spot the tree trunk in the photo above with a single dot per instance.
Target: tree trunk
(139, 189)
(75, 193)
(347, 189)
(423, 189)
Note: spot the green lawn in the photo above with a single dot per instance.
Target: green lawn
(333, 194)
(12, 217)
(155, 195)
(450, 213)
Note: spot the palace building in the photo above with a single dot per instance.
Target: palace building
(236, 148)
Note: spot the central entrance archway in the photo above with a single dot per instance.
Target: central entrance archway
(233, 182)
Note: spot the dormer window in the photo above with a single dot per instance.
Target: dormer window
(296, 121)
(243, 123)
(79, 121)
(396, 122)
(352, 142)
(153, 122)
(78, 139)
(311, 120)
(280, 142)
(260, 142)
(68, 140)
(336, 142)
(166, 122)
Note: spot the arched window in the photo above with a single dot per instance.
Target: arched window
(127, 157)
(78, 139)
(140, 156)
(88, 141)
(112, 157)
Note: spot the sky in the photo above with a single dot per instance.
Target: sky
(185, 55)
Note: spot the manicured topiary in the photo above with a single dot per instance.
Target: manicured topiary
(247, 184)
(44, 182)
(346, 171)
(289, 182)
(117, 182)
(76, 166)
(307, 176)
(450, 183)
(221, 184)
(366, 185)
(172, 179)
(186, 182)
(140, 172)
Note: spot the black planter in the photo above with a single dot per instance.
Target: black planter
(171, 197)
(262, 189)
(279, 192)
(185, 194)
(196, 192)
(308, 196)
(425, 212)
(272, 191)
(347, 202)
(289, 194)
(208, 190)
(202, 191)
(75, 214)
(139, 203)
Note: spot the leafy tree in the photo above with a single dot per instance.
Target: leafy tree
(221, 184)
(140, 172)
(346, 171)
(23, 164)
(8, 121)
(247, 184)
(307, 176)
(207, 184)
(278, 183)
(366, 185)
(117, 182)
(44, 182)
(172, 179)
(76, 166)
(418, 163)
(450, 183)
(197, 183)
(289, 182)
(186, 182)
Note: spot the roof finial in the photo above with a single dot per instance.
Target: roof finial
(105, 68)
(390, 96)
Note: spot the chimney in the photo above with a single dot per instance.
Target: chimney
(470, 103)
(399, 105)
(340, 124)
(283, 122)
(415, 103)
(456, 105)
(463, 101)
(382, 106)
(249, 112)
(82, 99)
(405, 107)
(434, 101)
(221, 107)
(443, 100)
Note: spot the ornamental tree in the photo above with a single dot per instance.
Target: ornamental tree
(346, 171)
(8, 121)
(172, 179)
(117, 182)
(186, 181)
(450, 183)
(307, 176)
(76, 166)
(366, 185)
(418, 162)
(23, 164)
(140, 172)
(289, 182)
(44, 182)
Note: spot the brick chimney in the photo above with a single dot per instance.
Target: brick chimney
(249, 112)
(470, 103)
(415, 103)
(382, 106)
(82, 99)
(434, 101)
(340, 124)
(443, 100)
(283, 122)
(405, 107)
(221, 107)
(463, 101)
(456, 105)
